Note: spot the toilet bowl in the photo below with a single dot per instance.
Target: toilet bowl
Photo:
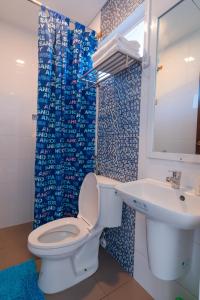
(69, 247)
(58, 237)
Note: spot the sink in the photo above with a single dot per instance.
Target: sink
(171, 217)
(157, 200)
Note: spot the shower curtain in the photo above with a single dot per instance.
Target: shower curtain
(65, 117)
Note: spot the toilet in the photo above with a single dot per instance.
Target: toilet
(69, 247)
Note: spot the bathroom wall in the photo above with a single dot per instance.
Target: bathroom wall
(115, 12)
(187, 287)
(118, 129)
(117, 151)
(96, 23)
(18, 94)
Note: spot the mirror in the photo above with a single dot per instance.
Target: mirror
(177, 100)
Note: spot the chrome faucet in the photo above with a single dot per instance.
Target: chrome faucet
(175, 179)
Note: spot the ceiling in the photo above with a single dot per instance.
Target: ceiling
(24, 14)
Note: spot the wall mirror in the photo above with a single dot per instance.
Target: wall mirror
(176, 121)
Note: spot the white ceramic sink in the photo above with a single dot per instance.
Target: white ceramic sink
(171, 216)
(157, 200)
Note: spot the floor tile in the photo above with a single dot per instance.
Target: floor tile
(86, 290)
(110, 275)
(38, 264)
(129, 291)
(13, 257)
(110, 282)
(13, 248)
(15, 235)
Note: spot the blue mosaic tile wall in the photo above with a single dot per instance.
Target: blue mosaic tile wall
(117, 151)
(118, 133)
(115, 12)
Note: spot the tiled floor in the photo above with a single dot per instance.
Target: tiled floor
(110, 282)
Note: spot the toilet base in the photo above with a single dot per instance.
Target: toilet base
(56, 276)
(60, 273)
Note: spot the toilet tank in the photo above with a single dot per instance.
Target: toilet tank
(110, 204)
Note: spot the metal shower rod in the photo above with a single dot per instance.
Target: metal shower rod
(71, 20)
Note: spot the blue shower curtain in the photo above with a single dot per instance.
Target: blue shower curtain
(65, 117)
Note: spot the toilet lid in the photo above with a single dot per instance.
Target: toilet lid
(89, 200)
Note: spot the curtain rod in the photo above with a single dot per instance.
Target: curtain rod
(71, 20)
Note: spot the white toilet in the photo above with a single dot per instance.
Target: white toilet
(69, 247)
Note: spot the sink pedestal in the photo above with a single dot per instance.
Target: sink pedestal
(172, 216)
(169, 250)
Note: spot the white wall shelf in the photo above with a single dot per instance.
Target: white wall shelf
(111, 66)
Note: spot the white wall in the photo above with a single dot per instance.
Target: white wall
(96, 23)
(158, 169)
(18, 100)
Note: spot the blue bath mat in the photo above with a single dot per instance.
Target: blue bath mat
(20, 283)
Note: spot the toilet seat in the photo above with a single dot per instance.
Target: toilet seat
(60, 233)
(67, 232)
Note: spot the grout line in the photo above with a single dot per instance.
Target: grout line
(186, 289)
(144, 255)
(103, 297)
(99, 285)
(117, 288)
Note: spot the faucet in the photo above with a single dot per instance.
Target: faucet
(175, 179)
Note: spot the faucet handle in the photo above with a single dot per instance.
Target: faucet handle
(175, 174)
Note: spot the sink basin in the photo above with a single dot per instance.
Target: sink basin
(157, 200)
(171, 217)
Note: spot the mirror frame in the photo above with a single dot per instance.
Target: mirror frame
(151, 49)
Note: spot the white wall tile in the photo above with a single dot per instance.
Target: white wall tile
(191, 280)
(18, 123)
(18, 100)
(158, 169)
(16, 204)
(158, 289)
(8, 123)
(140, 234)
(96, 23)
(197, 236)
(15, 147)
(15, 170)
